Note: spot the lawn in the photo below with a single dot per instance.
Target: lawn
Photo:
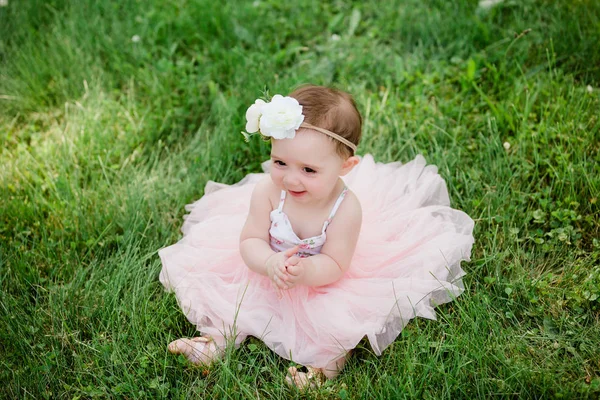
(114, 114)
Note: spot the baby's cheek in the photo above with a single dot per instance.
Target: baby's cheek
(276, 176)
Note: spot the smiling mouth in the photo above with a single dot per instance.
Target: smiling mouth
(297, 193)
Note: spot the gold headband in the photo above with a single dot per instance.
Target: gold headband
(330, 134)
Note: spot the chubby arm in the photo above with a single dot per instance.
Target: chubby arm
(336, 254)
(254, 240)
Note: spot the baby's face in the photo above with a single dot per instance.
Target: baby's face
(307, 166)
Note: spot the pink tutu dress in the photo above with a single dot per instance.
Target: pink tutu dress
(407, 261)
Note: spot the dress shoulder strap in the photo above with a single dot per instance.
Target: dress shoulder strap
(281, 200)
(335, 207)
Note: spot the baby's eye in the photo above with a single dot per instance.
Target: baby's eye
(279, 162)
(309, 170)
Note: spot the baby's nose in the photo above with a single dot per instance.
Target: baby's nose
(291, 179)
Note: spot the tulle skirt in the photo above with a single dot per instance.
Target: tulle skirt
(407, 261)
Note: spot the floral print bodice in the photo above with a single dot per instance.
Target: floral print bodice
(283, 237)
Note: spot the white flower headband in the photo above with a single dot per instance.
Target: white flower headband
(281, 118)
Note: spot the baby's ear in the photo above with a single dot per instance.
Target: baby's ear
(350, 163)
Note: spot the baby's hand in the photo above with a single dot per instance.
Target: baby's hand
(295, 268)
(276, 268)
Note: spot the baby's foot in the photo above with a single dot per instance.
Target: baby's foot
(199, 350)
(303, 380)
(315, 376)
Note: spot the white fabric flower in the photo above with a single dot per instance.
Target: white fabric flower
(253, 115)
(281, 117)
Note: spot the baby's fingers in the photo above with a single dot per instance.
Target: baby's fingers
(280, 283)
(293, 260)
(296, 269)
(281, 273)
(292, 251)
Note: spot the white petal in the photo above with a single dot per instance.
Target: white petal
(277, 135)
(299, 121)
(264, 125)
(253, 115)
(289, 134)
(252, 126)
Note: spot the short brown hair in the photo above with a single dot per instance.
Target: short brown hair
(331, 109)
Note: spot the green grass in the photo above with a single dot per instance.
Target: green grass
(103, 140)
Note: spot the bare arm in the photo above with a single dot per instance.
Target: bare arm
(254, 239)
(336, 254)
